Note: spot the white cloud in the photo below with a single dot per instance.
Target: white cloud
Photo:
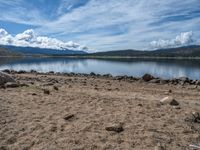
(146, 21)
(183, 39)
(29, 39)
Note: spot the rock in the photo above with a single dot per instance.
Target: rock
(11, 85)
(7, 71)
(92, 74)
(51, 72)
(33, 71)
(174, 103)
(147, 77)
(68, 116)
(170, 91)
(4, 78)
(115, 127)
(193, 118)
(55, 88)
(170, 101)
(175, 81)
(46, 91)
(183, 79)
(4, 147)
(21, 72)
(107, 75)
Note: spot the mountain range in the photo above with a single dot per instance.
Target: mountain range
(36, 51)
(187, 51)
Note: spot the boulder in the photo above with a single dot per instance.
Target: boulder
(4, 78)
(147, 77)
(92, 74)
(6, 71)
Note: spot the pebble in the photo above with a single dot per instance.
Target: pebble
(115, 127)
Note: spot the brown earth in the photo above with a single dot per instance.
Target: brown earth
(56, 112)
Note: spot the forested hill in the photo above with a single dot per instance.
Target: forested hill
(6, 52)
(189, 51)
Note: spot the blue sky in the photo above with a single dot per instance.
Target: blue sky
(105, 24)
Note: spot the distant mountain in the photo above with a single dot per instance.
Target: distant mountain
(5, 52)
(40, 51)
(188, 51)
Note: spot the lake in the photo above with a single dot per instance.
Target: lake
(164, 68)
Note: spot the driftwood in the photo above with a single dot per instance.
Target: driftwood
(194, 146)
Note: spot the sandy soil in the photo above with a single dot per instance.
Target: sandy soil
(58, 112)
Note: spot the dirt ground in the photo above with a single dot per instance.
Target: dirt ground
(56, 112)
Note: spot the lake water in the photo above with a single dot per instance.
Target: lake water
(132, 67)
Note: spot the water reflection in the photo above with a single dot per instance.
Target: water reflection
(132, 67)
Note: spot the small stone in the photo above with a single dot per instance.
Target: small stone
(115, 127)
(3, 147)
(11, 140)
(55, 88)
(196, 117)
(170, 91)
(53, 129)
(68, 116)
(46, 91)
(174, 103)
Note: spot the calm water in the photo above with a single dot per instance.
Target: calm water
(132, 67)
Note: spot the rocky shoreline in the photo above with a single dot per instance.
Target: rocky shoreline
(103, 112)
(145, 78)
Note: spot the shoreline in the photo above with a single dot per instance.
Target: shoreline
(148, 78)
(98, 112)
(103, 57)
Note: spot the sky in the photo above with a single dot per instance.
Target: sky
(100, 25)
